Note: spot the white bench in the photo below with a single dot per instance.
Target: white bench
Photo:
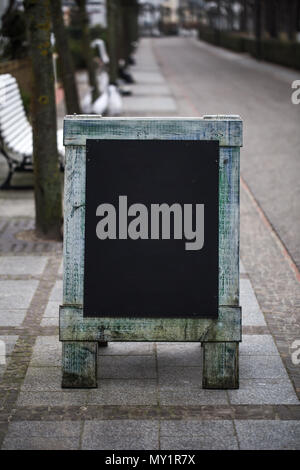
(16, 132)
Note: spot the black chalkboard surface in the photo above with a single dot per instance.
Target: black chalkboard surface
(151, 228)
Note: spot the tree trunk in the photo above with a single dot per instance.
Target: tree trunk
(230, 15)
(87, 50)
(129, 22)
(66, 61)
(292, 19)
(112, 22)
(298, 16)
(272, 18)
(257, 22)
(282, 15)
(47, 185)
(244, 17)
(218, 24)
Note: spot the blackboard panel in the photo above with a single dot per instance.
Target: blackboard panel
(162, 275)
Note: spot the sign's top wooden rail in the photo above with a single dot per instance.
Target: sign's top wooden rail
(226, 129)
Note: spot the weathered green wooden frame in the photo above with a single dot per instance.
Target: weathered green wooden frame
(219, 337)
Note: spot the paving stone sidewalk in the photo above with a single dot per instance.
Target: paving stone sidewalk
(149, 394)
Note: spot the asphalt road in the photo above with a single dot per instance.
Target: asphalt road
(209, 80)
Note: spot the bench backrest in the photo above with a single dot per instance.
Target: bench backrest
(15, 129)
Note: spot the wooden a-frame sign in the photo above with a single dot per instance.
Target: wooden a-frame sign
(151, 239)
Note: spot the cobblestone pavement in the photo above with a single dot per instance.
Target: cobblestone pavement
(149, 394)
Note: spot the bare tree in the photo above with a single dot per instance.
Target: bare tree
(292, 19)
(66, 61)
(298, 16)
(258, 28)
(271, 17)
(244, 16)
(112, 27)
(47, 185)
(129, 20)
(230, 14)
(87, 50)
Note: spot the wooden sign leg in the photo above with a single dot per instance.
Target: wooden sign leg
(221, 365)
(79, 364)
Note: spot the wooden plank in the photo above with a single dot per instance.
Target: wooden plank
(229, 225)
(74, 221)
(74, 206)
(79, 365)
(221, 365)
(73, 326)
(227, 327)
(228, 130)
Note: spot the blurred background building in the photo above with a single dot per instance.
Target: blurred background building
(96, 11)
